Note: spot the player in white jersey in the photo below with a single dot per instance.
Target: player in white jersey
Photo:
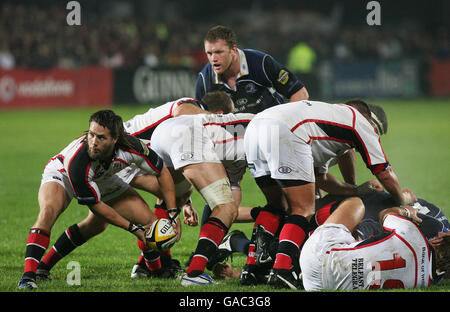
(327, 153)
(198, 148)
(143, 125)
(332, 259)
(86, 169)
(278, 149)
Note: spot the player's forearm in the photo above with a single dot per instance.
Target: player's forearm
(332, 185)
(347, 166)
(167, 188)
(110, 215)
(390, 182)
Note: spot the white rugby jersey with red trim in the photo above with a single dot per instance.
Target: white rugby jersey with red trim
(339, 124)
(227, 133)
(143, 125)
(84, 173)
(400, 258)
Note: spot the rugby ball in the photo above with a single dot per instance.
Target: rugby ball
(161, 235)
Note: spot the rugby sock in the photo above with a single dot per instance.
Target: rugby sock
(65, 244)
(269, 220)
(251, 254)
(150, 256)
(292, 237)
(37, 243)
(211, 235)
(323, 213)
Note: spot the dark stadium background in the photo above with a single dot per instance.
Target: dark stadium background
(154, 48)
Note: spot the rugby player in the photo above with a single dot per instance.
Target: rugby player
(150, 263)
(86, 170)
(400, 257)
(200, 149)
(279, 154)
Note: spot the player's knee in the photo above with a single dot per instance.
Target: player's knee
(357, 205)
(218, 193)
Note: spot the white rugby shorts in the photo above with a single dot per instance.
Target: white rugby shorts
(109, 188)
(314, 257)
(183, 141)
(272, 149)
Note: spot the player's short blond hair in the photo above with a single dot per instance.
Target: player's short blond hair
(221, 32)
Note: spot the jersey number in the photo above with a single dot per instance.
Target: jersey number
(396, 263)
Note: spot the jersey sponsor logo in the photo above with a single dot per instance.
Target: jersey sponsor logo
(57, 178)
(284, 170)
(241, 102)
(187, 156)
(358, 273)
(283, 77)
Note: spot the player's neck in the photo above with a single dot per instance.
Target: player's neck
(232, 73)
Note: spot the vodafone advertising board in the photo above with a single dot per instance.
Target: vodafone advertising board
(87, 86)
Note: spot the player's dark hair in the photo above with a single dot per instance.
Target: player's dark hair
(218, 101)
(221, 32)
(114, 123)
(360, 105)
(379, 118)
(375, 113)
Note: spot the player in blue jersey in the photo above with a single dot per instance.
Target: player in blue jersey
(253, 79)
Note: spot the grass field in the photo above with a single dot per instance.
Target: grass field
(417, 145)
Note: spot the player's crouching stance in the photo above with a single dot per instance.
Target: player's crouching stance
(400, 257)
(195, 152)
(86, 169)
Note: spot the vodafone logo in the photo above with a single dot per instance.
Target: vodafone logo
(7, 88)
(36, 88)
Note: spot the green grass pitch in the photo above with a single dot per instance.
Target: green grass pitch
(417, 145)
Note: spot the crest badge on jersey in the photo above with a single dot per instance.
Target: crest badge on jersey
(283, 77)
(250, 88)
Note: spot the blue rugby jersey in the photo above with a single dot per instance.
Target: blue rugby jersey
(262, 83)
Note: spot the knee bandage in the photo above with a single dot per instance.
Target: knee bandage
(217, 193)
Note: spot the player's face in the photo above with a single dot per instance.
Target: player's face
(220, 55)
(100, 142)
